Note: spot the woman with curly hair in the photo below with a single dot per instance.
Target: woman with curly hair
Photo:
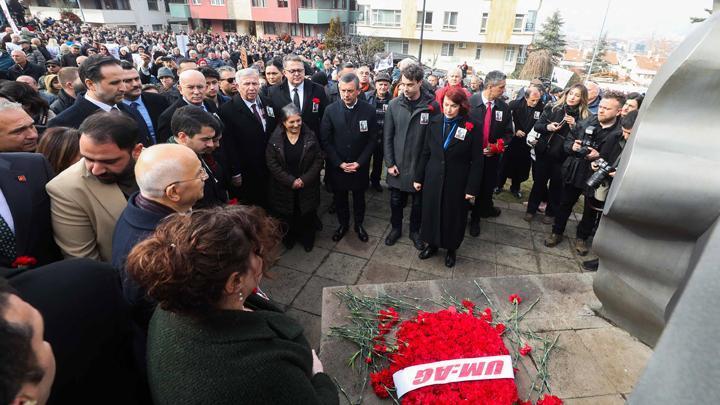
(213, 339)
(33, 103)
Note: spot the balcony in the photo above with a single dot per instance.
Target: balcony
(324, 15)
(179, 10)
(92, 16)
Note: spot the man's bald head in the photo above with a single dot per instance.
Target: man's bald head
(191, 85)
(29, 80)
(170, 174)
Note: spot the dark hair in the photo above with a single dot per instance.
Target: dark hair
(22, 93)
(111, 127)
(60, 145)
(191, 119)
(185, 264)
(186, 60)
(350, 78)
(126, 65)
(348, 65)
(18, 363)
(628, 121)
(637, 97)
(413, 72)
(320, 78)
(615, 95)
(458, 96)
(90, 69)
(209, 72)
(277, 62)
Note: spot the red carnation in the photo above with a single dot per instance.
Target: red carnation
(22, 262)
(515, 299)
(469, 305)
(431, 108)
(368, 359)
(469, 126)
(500, 328)
(486, 315)
(525, 350)
(316, 100)
(525, 403)
(232, 201)
(550, 400)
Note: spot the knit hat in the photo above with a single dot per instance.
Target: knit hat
(165, 72)
(383, 77)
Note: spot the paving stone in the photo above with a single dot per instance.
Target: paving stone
(574, 373)
(511, 218)
(378, 208)
(510, 235)
(487, 231)
(556, 264)
(516, 257)
(376, 226)
(324, 240)
(399, 254)
(308, 299)
(517, 206)
(415, 275)
(351, 245)
(310, 323)
(376, 272)
(341, 267)
(562, 249)
(297, 258)
(600, 400)
(329, 221)
(537, 225)
(475, 248)
(434, 265)
(503, 270)
(471, 269)
(285, 284)
(621, 357)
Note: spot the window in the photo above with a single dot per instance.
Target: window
(307, 4)
(259, 3)
(396, 46)
(522, 55)
(510, 54)
(152, 5)
(339, 4)
(196, 2)
(386, 18)
(269, 28)
(229, 26)
(43, 3)
(364, 14)
(206, 24)
(307, 30)
(116, 5)
(282, 3)
(157, 27)
(483, 23)
(448, 49)
(478, 51)
(518, 26)
(294, 30)
(530, 21)
(450, 21)
(428, 19)
(217, 2)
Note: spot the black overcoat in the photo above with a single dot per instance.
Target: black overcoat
(344, 142)
(516, 159)
(311, 117)
(446, 176)
(500, 127)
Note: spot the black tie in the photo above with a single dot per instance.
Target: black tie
(257, 114)
(296, 99)
(7, 240)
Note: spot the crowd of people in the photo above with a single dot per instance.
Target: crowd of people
(155, 187)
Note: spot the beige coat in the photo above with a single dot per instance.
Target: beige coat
(84, 212)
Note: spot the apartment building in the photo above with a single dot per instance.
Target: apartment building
(487, 34)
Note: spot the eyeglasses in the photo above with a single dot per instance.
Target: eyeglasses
(203, 176)
(295, 71)
(229, 80)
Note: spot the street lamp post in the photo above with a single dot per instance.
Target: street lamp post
(422, 32)
(602, 28)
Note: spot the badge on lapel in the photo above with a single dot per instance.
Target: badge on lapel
(385, 107)
(424, 118)
(460, 133)
(270, 112)
(498, 115)
(536, 115)
(21, 178)
(316, 105)
(363, 126)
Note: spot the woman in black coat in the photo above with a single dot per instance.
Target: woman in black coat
(213, 339)
(449, 175)
(554, 124)
(294, 160)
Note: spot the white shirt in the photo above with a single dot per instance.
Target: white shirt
(485, 101)
(100, 104)
(301, 93)
(5, 212)
(256, 102)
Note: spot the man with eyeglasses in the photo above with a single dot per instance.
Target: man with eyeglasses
(201, 132)
(309, 97)
(192, 87)
(227, 81)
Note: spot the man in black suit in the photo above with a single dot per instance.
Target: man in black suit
(145, 106)
(488, 108)
(348, 135)
(25, 227)
(245, 138)
(191, 86)
(309, 97)
(104, 79)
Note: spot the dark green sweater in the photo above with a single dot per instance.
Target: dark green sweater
(234, 357)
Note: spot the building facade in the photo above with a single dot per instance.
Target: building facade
(485, 34)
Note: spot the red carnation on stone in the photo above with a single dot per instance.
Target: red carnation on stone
(316, 100)
(500, 328)
(22, 262)
(550, 400)
(486, 315)
(525, 350)
(515, 299)
(469, 305)
(469, 126)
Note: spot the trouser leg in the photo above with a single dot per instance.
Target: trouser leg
(358, 206)
(342, 207)
(539, 188)
(416, 212)
(377, 164)
(570, 196)
(555, 191)
(398, 200)
(589, 218)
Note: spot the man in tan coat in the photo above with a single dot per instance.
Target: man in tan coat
(89, 196)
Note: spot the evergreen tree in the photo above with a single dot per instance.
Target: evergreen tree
(600, 64)
(551, 38)
(334, 38)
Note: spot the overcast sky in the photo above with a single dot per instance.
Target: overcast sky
(628, 19)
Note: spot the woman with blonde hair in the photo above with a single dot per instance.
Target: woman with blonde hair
(52, 84)
(553, 125)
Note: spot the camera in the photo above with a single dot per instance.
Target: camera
(602, 173)
(588, 141)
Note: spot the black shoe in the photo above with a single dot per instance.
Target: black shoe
(516, 194)
(428, 252)
(393, 236)
(309, 247)
(377, 187)
(318, 223)
(331, 208)
(339, 233)
(492, 213)
(591, 265)
(450, 258)
(415, 237)
(362, 234)
(474, 229)
(498, 190)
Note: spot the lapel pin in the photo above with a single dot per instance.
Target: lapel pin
(22, 179)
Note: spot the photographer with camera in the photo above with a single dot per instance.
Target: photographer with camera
(590, 140)
(598, 185)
